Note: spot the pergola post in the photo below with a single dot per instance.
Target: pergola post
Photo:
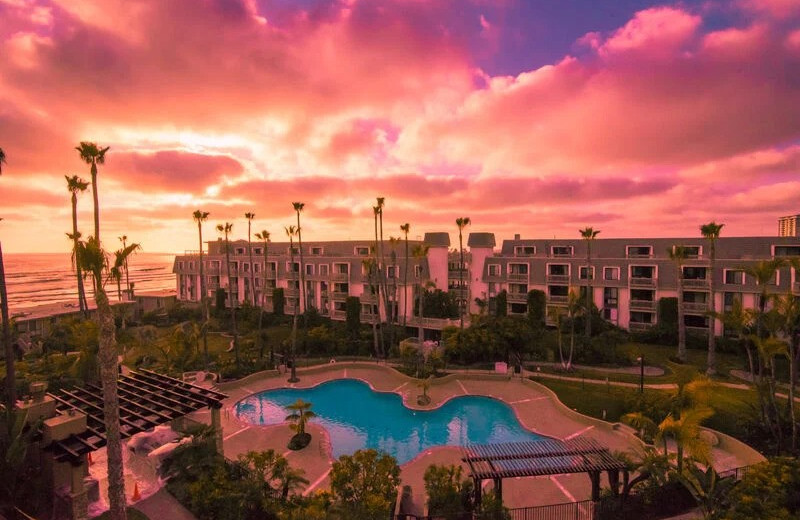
(613, 481)
(216, 425)
(478, 491)
(498, 489)
(594, 476)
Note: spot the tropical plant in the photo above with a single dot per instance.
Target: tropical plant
(369, 265)
(301, 413)
(768, 349)
(420, 251)
(740, 320)
(263, 235)
(200, 217)
(461, 222)
(711, 232)
(291, 231)
(405, 228)
(124, 240)
(556, 315)
(250, 216)
(382, 264)
(574, 309)
(15, 468)
(788, 310)
(298, 207)
(763, 272)
(588, 234)
(74, 185)
(93, 155)
(679, 254)
(768, 490)
(424, 384)
(226, 229)
(709, 490)
(120, 259)
(365, 484)
(450, 494)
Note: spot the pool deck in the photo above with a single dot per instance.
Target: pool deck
(536, 407)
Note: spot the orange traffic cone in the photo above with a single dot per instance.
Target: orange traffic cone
(136, 496)
(89, 458)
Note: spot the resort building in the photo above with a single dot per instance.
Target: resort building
(627, 276)
(787, 226)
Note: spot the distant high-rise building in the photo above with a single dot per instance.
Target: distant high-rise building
(787, 226)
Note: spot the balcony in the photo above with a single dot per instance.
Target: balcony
(435, 323)
(693, 283)
(340, 277)
(368, 298)
(338, 315)
(643, 305)
(639, 327)
(212, 285)
(291, 293)
(695, 306)
(211, 270)
(796, 287)
(558, 300)
(557, 278)
(517, 277)
(369, 318)
(292, 275)
(339, 295)
(456, 274)
(517, 297)
(643, 282)
(640, 255)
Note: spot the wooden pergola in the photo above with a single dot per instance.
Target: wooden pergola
(146, 400)
(541, 458)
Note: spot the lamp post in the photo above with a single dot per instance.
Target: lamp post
(641, 374)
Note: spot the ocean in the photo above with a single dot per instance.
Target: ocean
(44, 278)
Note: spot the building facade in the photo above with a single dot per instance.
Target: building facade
(787, 226)
(627, 276)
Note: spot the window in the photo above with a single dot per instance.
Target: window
(272, 267)
(417, 271)
(693, 320)
(734, 277)
(561, 250)
(787, 250)
(258, 250)
(524, 250)
(643, 271)
(245, 267)
(392, 271)
(494, 269)
(642, 317)
(362, 251)
(691, 251)
(256, 268)
(694, 273)
(610, 296)
(642, 295)
(310, 269)
(611, 273)
(558, 269)
(639, 251)
(518, 270)
(316, 250)
(341, 268)
(292, 267)
(695, 297)
(323, 269)
(234, 266)
(729, 298)
(239, 250)
(585, 274)
(558, 290)
(292, 250)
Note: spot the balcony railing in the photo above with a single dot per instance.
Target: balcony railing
(643, 305)
(339, 295)
(557, 299)
(435, 323)
(340, 277)
(369, 318)
(291, 293)
(211, 270)
(338, 315)
(517, 297)
(518, 277)
(368, 298)
(695, 282)
(639, 327)
(643, 282)
(695, 306)
(796, 287)
(557, 278)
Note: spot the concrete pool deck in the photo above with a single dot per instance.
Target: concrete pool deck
(536, 407)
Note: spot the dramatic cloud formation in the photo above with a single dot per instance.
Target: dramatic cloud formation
(650, 120)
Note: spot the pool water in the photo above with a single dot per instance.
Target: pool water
(357, 417)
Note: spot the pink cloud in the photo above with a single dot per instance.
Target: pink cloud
(171, 170)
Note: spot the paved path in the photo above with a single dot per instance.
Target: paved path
(163, 506)
(649, 371)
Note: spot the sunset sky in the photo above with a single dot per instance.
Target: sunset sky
(533, 117)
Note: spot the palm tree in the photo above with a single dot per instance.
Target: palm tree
(124, 240)
(250, 217)
(369, 265)
(420, 252)
(200, 217)
(291, 231)
(92, 259)
(264, 237)
(461, 222)
(74, 185)
(289, 478)
(788, 307)
(120, 259)
(763, 272)
(685, 431)
(2, 160)
(589, 234)
(93, 155)
(739, 320)
(711, 232)
(382, 263)
(574, 308)
(679, 254)
(11, 380)
(405, 228)
(376, 253)
(298, 207)
(301, 413)
(226, 230)
(556, 315)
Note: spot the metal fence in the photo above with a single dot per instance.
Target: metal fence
(584, 510)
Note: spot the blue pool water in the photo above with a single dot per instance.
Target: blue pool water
(357, 417)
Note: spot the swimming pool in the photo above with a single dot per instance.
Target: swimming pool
(357, 417)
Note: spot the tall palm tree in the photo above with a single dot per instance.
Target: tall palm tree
(250, 217)
(376, 254)
(763, 272)
(369, 265)
(93, 155)
(124, 240)
(74, 185)
(711, 232)
(589, 234)
(92, 259)
(788, 307)
(461, 222)
(574, 308)
(291, 232)
(405, 228)
(679, 254)
(420, 252)
(382, 262)
(116, 270)
(264, 237)
(11, 379)
(200, 217)
(226, 230)
(298, 207)
(739, 320)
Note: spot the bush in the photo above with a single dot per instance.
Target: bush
(768, 490)
(448, 493)
(365, 484)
